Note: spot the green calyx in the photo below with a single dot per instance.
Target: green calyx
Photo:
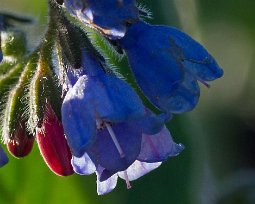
(43, 89)
(16, 103)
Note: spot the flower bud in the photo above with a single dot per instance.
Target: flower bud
(53, 145)
(13, 43)
(21, 143)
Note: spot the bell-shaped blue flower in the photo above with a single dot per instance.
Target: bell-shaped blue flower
(167, 64)
(108, 16)
(3, 158)
(104, 117)
(98, 103)
(94, 101)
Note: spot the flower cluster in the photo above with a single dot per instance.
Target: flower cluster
(84, 117)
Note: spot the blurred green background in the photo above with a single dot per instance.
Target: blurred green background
(218, 164)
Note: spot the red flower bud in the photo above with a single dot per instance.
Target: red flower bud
(53, 145)
(20, 145)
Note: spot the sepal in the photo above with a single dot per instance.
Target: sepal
(8, 80)
(16, 102)
(42, 89)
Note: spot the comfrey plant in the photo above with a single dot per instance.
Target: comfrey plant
(84, 117)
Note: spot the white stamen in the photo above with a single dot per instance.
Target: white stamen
(203, 82)
(113, 136)
(98, 123)
(127, 180)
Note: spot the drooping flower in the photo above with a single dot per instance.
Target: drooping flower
(167, 64)
(52, 144)
(3, 158)
(102, 115)
(154, 149)
(108, 16)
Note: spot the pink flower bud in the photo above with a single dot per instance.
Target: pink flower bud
(20, 145)
(53, 145)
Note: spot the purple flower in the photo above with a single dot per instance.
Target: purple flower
(108, 16)
(167, 64)
(104, 117)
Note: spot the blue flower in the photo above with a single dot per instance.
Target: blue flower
(167, 64)
(103, 116)
(109, 16)
(3, 157)
(154, 149)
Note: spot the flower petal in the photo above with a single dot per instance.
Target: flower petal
(3, 158)
(152, 124)
(109, 16)
(102, 97)
(195, 57)
(172, 60)
(78, 123)
(1, 54)
(105, 153)
(83, 165)
(158, 147)
(113, 99)
(138, 169)
(184, 98)
(151, 63)
(106, 186)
